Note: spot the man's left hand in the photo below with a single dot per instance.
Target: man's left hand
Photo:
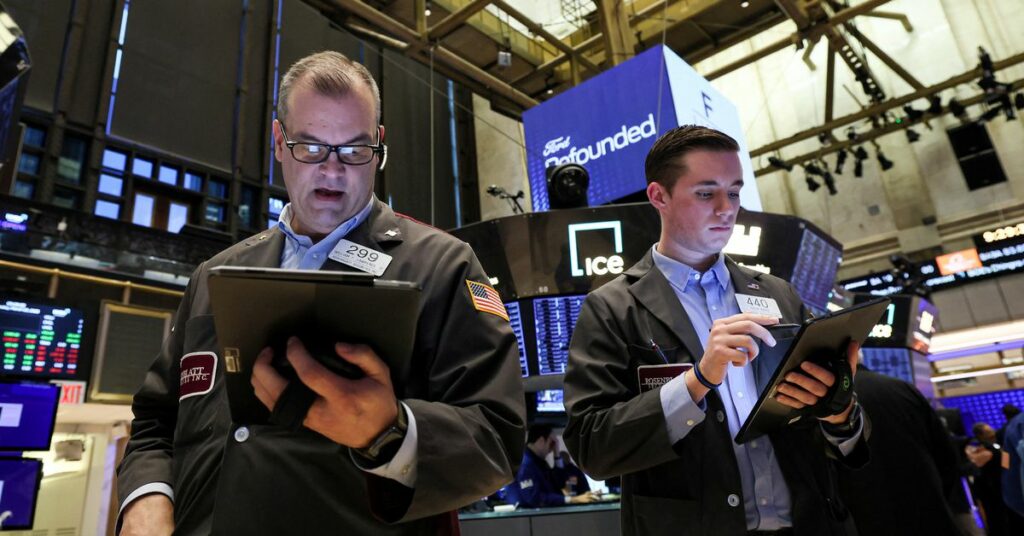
(805, 389)
(349, 412)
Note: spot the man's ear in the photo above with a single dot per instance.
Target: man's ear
(657, 195)
(279, 146)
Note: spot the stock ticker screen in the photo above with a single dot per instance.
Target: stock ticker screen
(554, 319)
(815, 270)
(515, 319)
(40, 340)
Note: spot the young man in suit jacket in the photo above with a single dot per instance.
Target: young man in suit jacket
(682, 473)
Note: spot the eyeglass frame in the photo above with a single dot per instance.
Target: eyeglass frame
(379, 148)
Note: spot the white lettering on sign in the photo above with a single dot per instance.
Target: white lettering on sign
(604, 265)
(626, 136)
(881, 331)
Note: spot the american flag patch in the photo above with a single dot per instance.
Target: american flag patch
(486, 299)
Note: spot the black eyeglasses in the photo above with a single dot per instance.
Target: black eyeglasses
(354, 154)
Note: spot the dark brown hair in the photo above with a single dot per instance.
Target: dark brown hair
(665, 159)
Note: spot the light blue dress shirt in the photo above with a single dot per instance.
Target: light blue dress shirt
(300, 253)
(707, 297)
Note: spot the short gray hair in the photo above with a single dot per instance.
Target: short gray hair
(329, 73)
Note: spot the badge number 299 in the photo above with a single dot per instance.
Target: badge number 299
(361, 257)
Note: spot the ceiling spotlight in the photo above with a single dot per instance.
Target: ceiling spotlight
(935, 105)
(851, 134)
(779, 163)
(426, 11)
(840, 160)
(812, 185)
(912, 136)
(959, 111)
(1018, 101)
(883, 161)
(744, 4)
(860, 154)
(858, 168)
(830, 183)
(912, 114)
(812, 168)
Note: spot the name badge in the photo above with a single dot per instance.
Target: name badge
(758, 305)
(650, 377)
(360, 257)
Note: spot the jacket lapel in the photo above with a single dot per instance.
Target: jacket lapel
(653, 291)
(380, 231)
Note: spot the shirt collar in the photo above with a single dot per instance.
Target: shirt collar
(339, 232)
(677, 272)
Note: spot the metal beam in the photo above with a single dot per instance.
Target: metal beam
(455, 19)
(886, 59)
(874, 133)
(619, 42)
(417, 42)
(795, 13)
(537, 29)
(884, 107)
(904, 20)
(547, 66)
(747, 60)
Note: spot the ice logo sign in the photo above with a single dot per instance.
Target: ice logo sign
(600, 264)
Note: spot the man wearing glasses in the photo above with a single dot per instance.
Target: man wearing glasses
(359, 461)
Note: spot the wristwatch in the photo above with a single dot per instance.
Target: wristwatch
(851, 421)
(386, 445)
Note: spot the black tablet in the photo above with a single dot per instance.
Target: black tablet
(258, 307)
(824, 335)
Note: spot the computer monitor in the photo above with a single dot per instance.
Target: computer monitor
(19, 489)
(550, 401)
(515, 319)
(27, 415)
(41, 340)
(554, 320)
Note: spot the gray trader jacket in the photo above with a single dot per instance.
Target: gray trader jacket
(463, 388)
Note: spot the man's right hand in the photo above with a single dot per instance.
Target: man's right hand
(731, 341)
(583, 498)
(149, 515)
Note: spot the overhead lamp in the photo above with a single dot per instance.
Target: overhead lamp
(811, 184)
(851, 134)
(744, 4)
(884, 162)
(1018, 101)
(959, 110)
(912, 114)
(813, 168)
(858, 169)
(830, 183)
(990, 114)
(912, 136)
(841, 160)
(935, 105)
(426, 10)
(779, 163)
